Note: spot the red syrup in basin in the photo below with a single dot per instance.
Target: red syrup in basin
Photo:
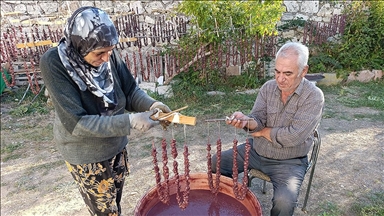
(201, 202)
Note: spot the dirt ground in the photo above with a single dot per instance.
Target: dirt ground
(35, 180)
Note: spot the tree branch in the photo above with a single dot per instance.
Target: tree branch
(197, 57)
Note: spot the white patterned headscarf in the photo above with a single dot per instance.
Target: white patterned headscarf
(88, 29)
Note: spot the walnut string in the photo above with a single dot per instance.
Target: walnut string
(165, 169)
(162, 189)
(182, 202)
(240, 193)
(214, 189)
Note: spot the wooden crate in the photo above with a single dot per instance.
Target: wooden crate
(20, 72)
(22, 79)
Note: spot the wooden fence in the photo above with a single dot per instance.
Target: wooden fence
(144, 52)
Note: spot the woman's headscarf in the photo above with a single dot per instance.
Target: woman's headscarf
(88, 29)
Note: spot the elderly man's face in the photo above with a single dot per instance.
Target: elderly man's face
(287, 73)
(99, 56)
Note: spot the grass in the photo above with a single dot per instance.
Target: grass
(24, 183)
(25, 103)
(355, 95)
(330, 209)
(44, 133)
(11, 147)
(370, 205)
(9, 157)
(9, 151)
(358, 94)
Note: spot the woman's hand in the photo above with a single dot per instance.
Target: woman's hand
(159, 105)
(142, 121)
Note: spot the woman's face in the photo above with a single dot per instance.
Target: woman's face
(99, 56)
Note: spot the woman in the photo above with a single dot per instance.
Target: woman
(91, 89)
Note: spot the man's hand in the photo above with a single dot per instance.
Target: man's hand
(161, 106)
(142, 121)
(239, 120)
(265, 132)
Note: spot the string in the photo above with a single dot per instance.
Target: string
(185, 134)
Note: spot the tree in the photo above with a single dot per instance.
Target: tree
(214, 21)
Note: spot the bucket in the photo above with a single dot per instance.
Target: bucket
(201, 201)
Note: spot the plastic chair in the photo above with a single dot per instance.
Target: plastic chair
(253, 173)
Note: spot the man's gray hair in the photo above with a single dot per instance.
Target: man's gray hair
(295, 48)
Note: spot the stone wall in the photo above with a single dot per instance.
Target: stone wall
(55, 13)
(13, 11)
(320, 13)
(27, 13)
(316, 11)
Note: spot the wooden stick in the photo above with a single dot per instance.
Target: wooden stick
(180, 119)
(174, 117)
(34, 44)
(161, 115)
(128, 39)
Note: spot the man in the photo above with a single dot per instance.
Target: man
(285, 114)
(92, 91)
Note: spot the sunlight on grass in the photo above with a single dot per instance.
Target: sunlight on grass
(11, 147)
(330, 209)
(372, 204)
(356, 94)
(9, 151)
